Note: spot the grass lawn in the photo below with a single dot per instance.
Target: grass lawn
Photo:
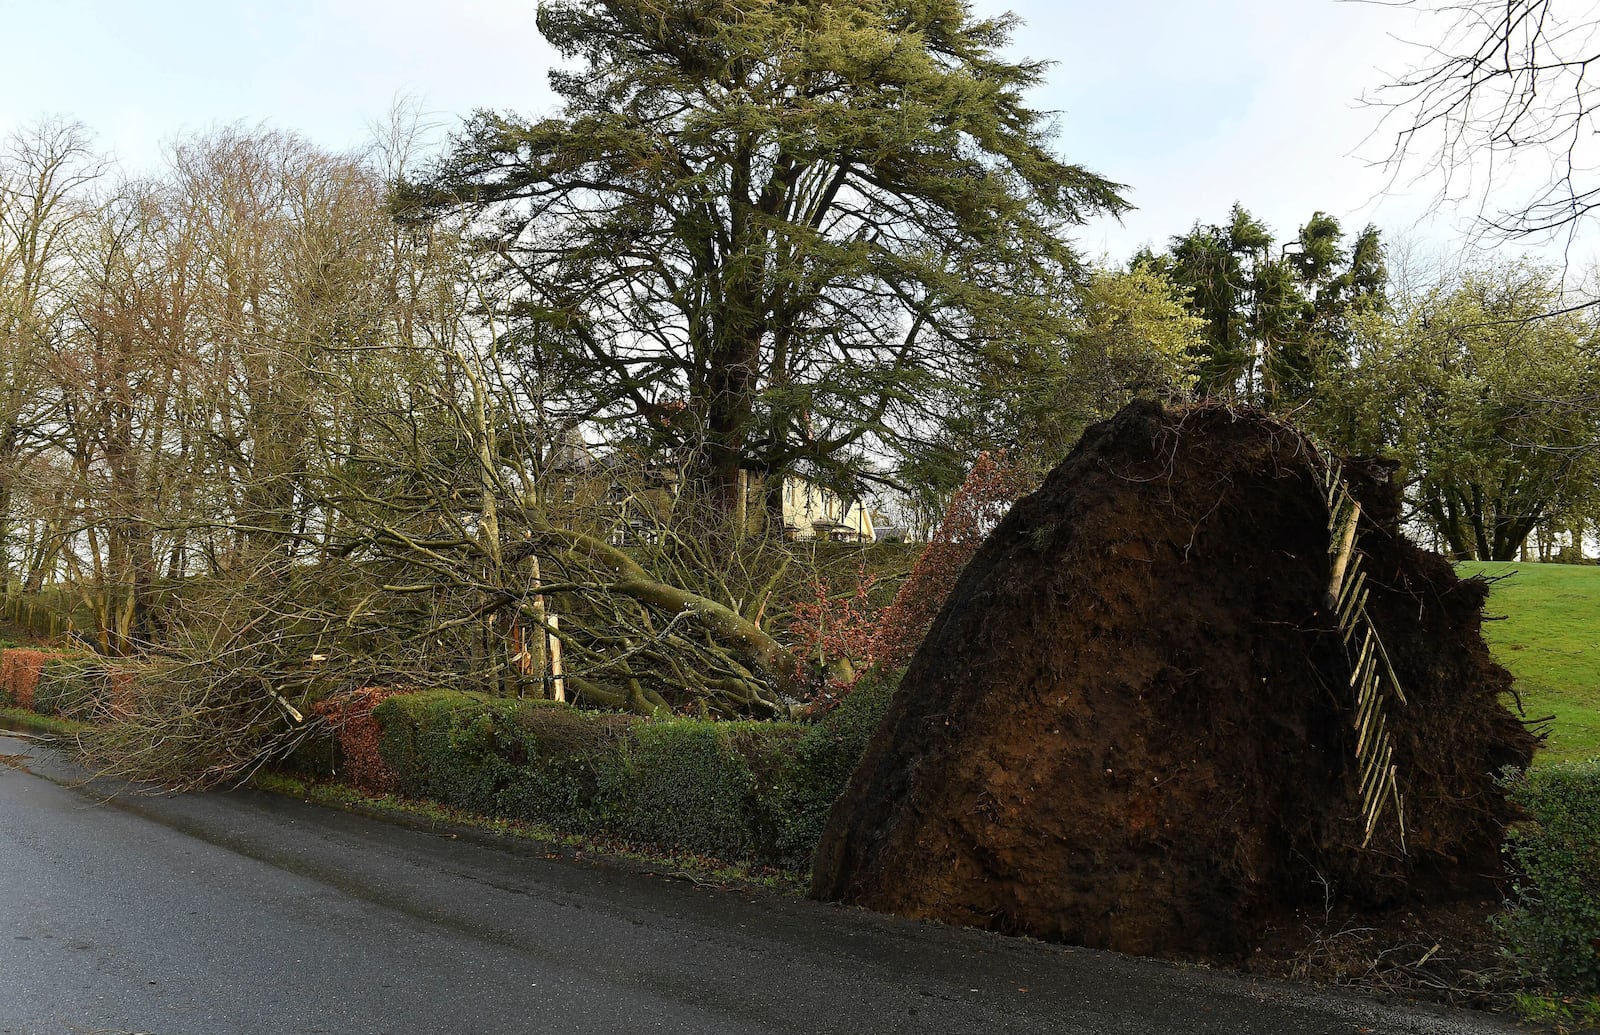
(1550, 641)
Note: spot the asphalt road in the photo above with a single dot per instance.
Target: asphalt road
(244, 912)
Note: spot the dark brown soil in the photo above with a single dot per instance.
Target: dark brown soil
(1131, 727)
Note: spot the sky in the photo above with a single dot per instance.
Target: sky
(1191, 106)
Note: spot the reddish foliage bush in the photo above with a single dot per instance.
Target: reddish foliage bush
(121, 693)
(356, 732)
(19, 674)
(992, 486)
(833, 638)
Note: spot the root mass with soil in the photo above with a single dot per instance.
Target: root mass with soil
(1132, 725)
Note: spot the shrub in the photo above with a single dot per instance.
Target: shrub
(82, 687)
(356, 734)
(682, 784)
(556, 762)
(1553, 926)
(824, 758)
(758, 791)
(19, 674)
(459, 749)
(316, 757)
(70, 687)
(119, 693)
(692, 785)
(995, 482)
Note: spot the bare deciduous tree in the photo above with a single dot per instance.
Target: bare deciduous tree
(1502, 90)
(46, 176)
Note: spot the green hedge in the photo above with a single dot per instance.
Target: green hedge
(698, 786)
(824, 758)
(756, 791)
(470, 751)
(1553, 926)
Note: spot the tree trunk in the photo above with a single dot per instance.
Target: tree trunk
(535, 637)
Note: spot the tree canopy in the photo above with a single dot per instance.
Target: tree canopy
(1276, 317)
(1485, 400)
(774, 236)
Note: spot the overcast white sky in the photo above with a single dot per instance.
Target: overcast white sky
(1193, 106)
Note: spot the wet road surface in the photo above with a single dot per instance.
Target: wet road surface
(245, 912)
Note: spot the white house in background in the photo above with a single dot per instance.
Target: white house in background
(811, 511)
(637, 500)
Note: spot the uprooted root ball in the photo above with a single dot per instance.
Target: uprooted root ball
(1133, 724)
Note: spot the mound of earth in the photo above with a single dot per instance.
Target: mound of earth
(1133, 727)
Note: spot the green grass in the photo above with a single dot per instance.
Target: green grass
(33, 722)
(1550, 640)
(1558, 1011)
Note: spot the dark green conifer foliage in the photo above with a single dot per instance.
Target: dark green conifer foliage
(778, 234)
(1277, 314)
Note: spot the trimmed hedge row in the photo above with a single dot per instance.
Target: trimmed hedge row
(20, 671)
(1553, 927)
(756, 791)
(70, 688)
(50, 682)
(82, 687)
